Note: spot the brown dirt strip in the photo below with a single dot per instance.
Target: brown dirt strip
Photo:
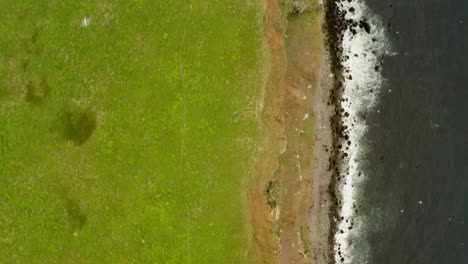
(288, 191)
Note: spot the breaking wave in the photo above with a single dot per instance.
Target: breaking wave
(364, 44)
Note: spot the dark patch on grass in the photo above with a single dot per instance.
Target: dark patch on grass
(31, 45)
(76, 217)
(3, 93)
(35, 35)
(37, 92)
(75, 124)
(24, 64)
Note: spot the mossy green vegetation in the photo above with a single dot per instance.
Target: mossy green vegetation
(128, 129)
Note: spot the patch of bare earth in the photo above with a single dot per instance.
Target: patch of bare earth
(303, 48)
(263, 215)
(288, 192)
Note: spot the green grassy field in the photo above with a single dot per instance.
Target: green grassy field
(127, 130)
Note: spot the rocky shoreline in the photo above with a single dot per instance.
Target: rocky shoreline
(341, 122)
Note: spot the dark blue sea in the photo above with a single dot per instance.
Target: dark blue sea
(415, 197)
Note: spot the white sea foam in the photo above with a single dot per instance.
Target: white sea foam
(362, 84)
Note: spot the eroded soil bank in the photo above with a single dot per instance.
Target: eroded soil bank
(289, 191)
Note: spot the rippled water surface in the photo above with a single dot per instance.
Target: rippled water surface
(413, 204)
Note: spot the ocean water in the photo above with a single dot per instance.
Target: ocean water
(405, 188)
